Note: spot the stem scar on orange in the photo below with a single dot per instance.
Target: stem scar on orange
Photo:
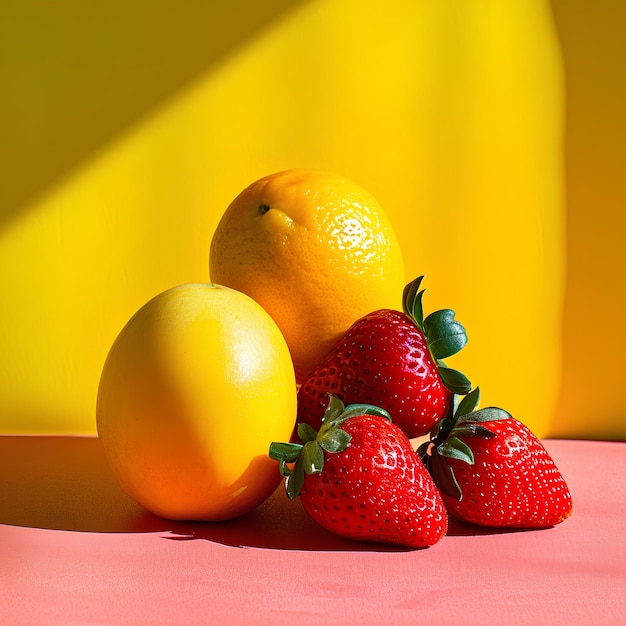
(193, 391)
(315, 250)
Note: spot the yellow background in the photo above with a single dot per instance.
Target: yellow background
(491, 132)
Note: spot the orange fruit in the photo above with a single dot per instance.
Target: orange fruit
(194, 390)
(315, 250)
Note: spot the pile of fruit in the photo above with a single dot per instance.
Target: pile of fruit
(307, 358)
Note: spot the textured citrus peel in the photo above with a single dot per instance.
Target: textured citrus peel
(445, 335)
(445, 443)
(297, 460)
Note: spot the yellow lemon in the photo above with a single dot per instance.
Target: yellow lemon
(316, 250)
(193, 391)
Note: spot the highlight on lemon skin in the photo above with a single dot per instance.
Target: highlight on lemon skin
(315, 250)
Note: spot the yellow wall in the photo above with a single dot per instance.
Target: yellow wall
(127, 128)
(592, 396)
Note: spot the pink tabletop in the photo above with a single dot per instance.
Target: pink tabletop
(74, 549)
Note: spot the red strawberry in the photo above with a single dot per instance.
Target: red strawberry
(359, 477)
(493, 471)
(392, 360)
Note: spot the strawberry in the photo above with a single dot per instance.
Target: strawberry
(493, 471)
(360, 478)
(392, 360)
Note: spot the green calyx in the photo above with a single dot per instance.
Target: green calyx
(308, 457)
(446, 443)
(445, 335)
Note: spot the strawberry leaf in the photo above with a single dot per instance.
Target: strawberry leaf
(468, 403)
(333, 410)
(287, 452)
(284, 469)
(363, 409)
(295, 479)
(442, 429)
(488, 414)
(445, 335)
(412, 302)
(334, 440)
(443, 476)
(313, 457)
(454, 380)
(454, 448)
(306, 432)
(468, 429)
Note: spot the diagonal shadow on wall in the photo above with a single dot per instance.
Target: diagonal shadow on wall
(74, 75)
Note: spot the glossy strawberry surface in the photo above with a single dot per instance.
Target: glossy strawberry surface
(384, 360)
(377, 489)
(359, 477)
(511, 482)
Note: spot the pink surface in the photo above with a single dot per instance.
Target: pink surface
(75, 549)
